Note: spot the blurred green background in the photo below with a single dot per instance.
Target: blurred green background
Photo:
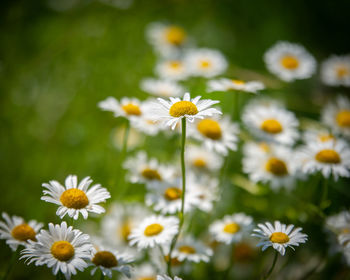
(56, 63)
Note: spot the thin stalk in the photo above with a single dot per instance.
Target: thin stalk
(235, 106)
(324, 194)
(120, 173)
(11, 264)
(102, 277)
(125, 140)
(272, 267)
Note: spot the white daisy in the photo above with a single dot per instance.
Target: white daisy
(145, 271)
(257, 149)
(318, 135)
(74, 199)
(290, 61)
(335, 71)
(225, 84)
(171, 112)
(330, 158)
(162, 88)
(172, 69)
(146, 125)
(279, 236)
(154, 230)
(63, 248)
(337, 116)
(206, 193)
(166, 277)
(217, 135)
(339, 223)
(231, 228)
(271, 123)
(145, 170)
(202, 159)
(205, 62)
(17, 232)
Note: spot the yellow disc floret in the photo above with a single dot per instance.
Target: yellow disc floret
(175, 64)
(62, 250)
(153, 229)
(74, 198)
(343, 118)
(276, 167)
(175, 35)
(238, 82)
(125, 230)
(328, 156)
(231, 228)
(132, 109)
(172, 193)
(271, 126)
(187, 249)
(290, 62)
(151, 174)
(210, 128)
(105, 259)
(279, 237)
(23, 232)
(342, 72)
(183, 108)
(199, 162)
(204, 64)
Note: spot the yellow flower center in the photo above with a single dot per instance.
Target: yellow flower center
(326, 137)
(342, 72)
(210, 128)
(23, 232)
(105, 259)
(151, 174)
(132, 109)
(175, 35)
(74, 198)
(172, 193)
(328, 156)
(271, 126)
(147, 278)
(199, 162)
(231, 228)
(175, 64)
(183, 108)
(125, 230)
(290, 62)
(187, 249)
(343, 118)
(279, 237)
(174, 261)
(153, 229)
(276, 167)
(62, 250)
(205, 64)
(265, 147)
(238, 82)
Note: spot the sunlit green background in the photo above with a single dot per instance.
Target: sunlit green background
(56, 65)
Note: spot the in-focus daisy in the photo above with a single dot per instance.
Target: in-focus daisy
(166, 277)
(63, 248)
(329, 158)
(205, 62)
(217, 135)
(17, 232)
(162, 88)
(337, 115)
(171, 112)
(290, 61)
(271, 123)
(231, 228)
(206, 193)
(225, 84)
(74, 199)
(172, 69)
(201, 159)
(335, 71)
(279, 236)
(109, 260)
(153, 231)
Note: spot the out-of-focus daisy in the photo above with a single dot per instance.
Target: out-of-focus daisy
(109, 260)
(166, 277)
(73, 198)
(216, 135)
(171, 112)
(231, 228)
(318, 135)
(162, 88)
(276, 166)
(206, 192)
(329, 158)
(145, 271)
(172, 69)
(279, 236)
(225, 84)
(335, 71)
(205, 62)
(290, 61)
(17, 232)
(271, 123)
(63, 248)
(339, 223)
(144, 170)
(153, 231)
(257, 149)
(337, 116)
(201, 159)
(146, 125)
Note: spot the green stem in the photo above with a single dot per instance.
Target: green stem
(125, 140)
(121, 174)
(272, 267)
(323, 202)
(102, 276)
(11, 264)
(227, 271)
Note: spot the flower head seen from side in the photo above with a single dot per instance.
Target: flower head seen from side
(144, 271)
(201, 159)
(318, 135)
(63, 248)
(172, 69)
(206, 192)
(290, 61)
(224, 84)
(153, 231)
(166, 277)
(171, 112)
(162, 88)
(74, 199)
(231, 228)
(279, 236)
(335, 71)
(17, 232)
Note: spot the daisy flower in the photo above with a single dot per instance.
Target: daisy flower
(339, 223)
(206, 193)
(279, 236)
(205, 62)
(337, 116)
(146, 125)
(171, 112)
(225, 84)
(202, 159)
(154, 230)
(271, 123)
(290, 61)
(231, 228)
(166, 277)
(217, 135)
(335, 71)
(329, 158)
(318, 135)
(17, 232)
(145, 271)
(63, 248)
(73, 198)
(162, 88)
(172, 69)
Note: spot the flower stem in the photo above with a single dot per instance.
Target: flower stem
(272, 267)
(121, 173)
(230, 265)
(323, 202)
(11, 264)
(125, 140)
(102, 276)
